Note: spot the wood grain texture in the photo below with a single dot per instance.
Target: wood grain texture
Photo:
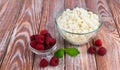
(111, 40)
(50, 10)
(9, 11)
(115, 5)
(74, 3)
(18, 55)
(84, 60)
(21, 18)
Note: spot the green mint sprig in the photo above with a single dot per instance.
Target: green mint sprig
(70, 51)
(59, 53)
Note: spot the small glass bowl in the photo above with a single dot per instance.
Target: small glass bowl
(48, 54)
(44, 52)
(79, 38)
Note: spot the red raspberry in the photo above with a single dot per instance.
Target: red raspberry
(98, 42)
(32, 37)
(50, 41)
(43, 63)
(36, 36)
(53, 42)
(92, 50)
(43, 32)
(33, 44)
(40, 47)
(40, 38)
(102, 51)
(48, 35)
(47, 47)
(54, 61)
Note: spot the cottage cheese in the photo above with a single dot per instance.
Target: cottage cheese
(78, 20)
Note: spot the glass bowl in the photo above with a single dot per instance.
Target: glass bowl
(78, 38)
(44, 52)
(48, 54)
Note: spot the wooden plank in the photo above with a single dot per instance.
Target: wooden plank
(118, 1)
(18, 55)
(49, 12)
(115, 6)
(9, 11)
(82, 61)
(111, 40)
(74, 3)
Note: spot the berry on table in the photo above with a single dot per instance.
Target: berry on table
(43, 63)
(54, 61)
(101, 51)
(98, 42)
(92, 50)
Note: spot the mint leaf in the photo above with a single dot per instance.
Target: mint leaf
(72, 51)
(59, 53)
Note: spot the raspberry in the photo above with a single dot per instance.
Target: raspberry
(47, 40)
(98, 42)
(50, 41)
(48, 35)
(32, 37)
(54, 61)
(43, 32)
(33, 44)
(47, 47)
(36, 36)
(92, 50)
(43, 63)
(102, 51)
(40, 47)
(40, 38)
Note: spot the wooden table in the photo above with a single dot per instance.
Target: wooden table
(21, 18)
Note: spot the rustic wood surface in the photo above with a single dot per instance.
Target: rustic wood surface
(21, 18)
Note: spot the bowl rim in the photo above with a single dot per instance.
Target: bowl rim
(100, 21)
(42, 52)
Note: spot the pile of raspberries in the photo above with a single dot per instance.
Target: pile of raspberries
(42, 41)
(93, 49)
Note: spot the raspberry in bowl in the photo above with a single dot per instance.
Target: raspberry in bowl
(78, 25)
(43, 43)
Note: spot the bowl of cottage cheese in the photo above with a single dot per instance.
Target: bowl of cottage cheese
(79, 25)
